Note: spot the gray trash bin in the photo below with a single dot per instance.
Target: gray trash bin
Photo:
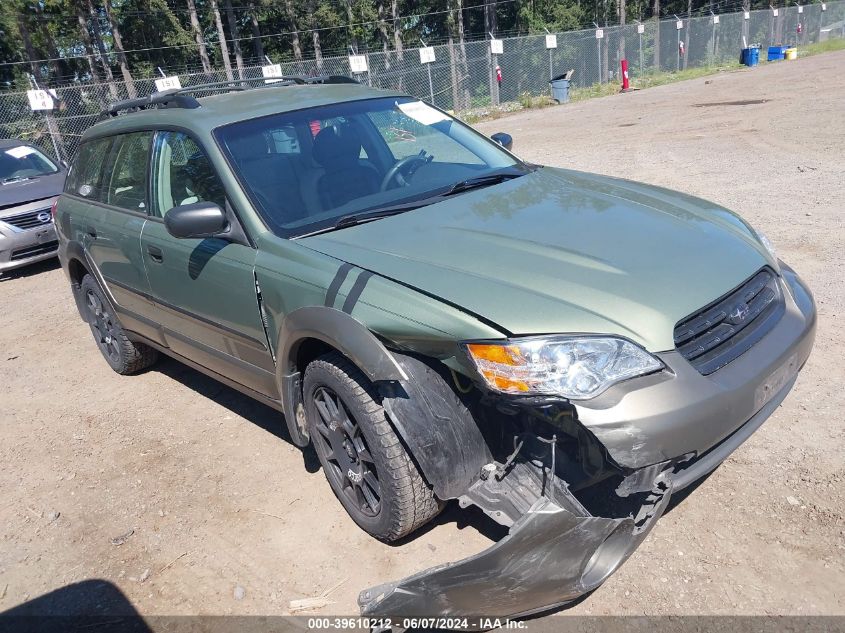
(560, 89)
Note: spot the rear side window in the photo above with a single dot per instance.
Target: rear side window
(125, 182)
(86, 176)
(182, 174)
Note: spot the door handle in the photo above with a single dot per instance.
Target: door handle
(91, 231)
(155, 254)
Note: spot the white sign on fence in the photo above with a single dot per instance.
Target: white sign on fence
(358, 63)
(715, 19)
(599, 34)
(40, 99)
(427, 55)
(679, 24)
(640, 28)
(551, 41)
(824, 6)
(800, 9)
(270, 71)
(496, 47)
(746, 15)
(774, 13)
(168, 83)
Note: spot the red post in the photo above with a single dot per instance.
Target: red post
(626, 85)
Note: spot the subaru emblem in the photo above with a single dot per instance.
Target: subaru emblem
(739, 312)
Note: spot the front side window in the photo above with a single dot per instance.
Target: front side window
(125, 182)
(182, 174)
(23, 162)
(354, 157)
(87, 174)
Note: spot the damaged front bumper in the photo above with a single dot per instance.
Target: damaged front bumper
(661, 432)
(554, 553)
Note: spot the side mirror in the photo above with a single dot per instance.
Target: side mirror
(504, 139)
(198, 220)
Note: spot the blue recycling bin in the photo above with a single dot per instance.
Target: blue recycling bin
(750, 56)
(560, 89)
(776, 53)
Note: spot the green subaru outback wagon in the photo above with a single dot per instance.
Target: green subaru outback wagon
(439, 319)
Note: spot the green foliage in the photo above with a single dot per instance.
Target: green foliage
(158, 33)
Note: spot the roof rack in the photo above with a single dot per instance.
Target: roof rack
(167, 98)
(180, 97)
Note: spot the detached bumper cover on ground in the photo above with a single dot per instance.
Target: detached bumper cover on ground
(550, 557)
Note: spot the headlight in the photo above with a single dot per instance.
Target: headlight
(574, 367)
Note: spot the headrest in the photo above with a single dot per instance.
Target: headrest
(337, 144)
(248, 146)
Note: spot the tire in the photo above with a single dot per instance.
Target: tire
(342, 406)
(122, 355)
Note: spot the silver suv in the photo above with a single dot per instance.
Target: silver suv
(30, 183)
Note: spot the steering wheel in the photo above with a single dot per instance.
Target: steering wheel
(403, 165)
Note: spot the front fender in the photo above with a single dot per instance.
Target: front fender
(342, 332)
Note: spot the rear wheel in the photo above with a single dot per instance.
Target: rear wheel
(366, 464)
(122, 355)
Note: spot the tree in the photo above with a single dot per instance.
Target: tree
(221, 35)
(197, 31)
(87, 41)
(233, 31)
(97, 34)
(118, 47)
(397, 28)
(291, 15)
(256, 31)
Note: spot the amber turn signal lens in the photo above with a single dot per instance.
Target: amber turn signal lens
(500, 354)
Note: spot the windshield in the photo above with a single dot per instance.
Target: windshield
(22, 162)
(306, 170)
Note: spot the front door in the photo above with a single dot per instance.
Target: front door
(204, 289)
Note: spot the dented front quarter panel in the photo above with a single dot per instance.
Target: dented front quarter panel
(550, 557)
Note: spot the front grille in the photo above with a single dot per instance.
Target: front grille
(32, 251)
(30, 219)
(727, 328)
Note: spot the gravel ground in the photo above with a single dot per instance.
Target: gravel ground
(185, 495)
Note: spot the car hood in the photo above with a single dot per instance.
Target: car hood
(16, 193)
(563, 251)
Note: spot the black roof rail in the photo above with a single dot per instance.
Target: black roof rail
(168, 98)
(331, 79)
(180, 97)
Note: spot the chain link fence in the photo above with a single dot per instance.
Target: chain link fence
(463, 76)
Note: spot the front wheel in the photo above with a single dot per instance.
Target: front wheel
(122, 355)
(366, 464)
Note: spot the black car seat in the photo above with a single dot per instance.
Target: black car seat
(337, 150)
(272, 176)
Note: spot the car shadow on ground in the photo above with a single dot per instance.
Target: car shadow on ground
(259, 414)
(31, 270)
(273, 422)
(87, 605)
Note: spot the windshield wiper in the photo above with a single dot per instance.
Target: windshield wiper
(481, 181)
(376, 213)
(14, 179)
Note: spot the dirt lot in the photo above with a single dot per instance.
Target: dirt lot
(216, 499)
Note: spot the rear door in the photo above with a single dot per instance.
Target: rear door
(204, 289)
(106, 201)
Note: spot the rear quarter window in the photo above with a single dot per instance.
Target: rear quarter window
(86, 175)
